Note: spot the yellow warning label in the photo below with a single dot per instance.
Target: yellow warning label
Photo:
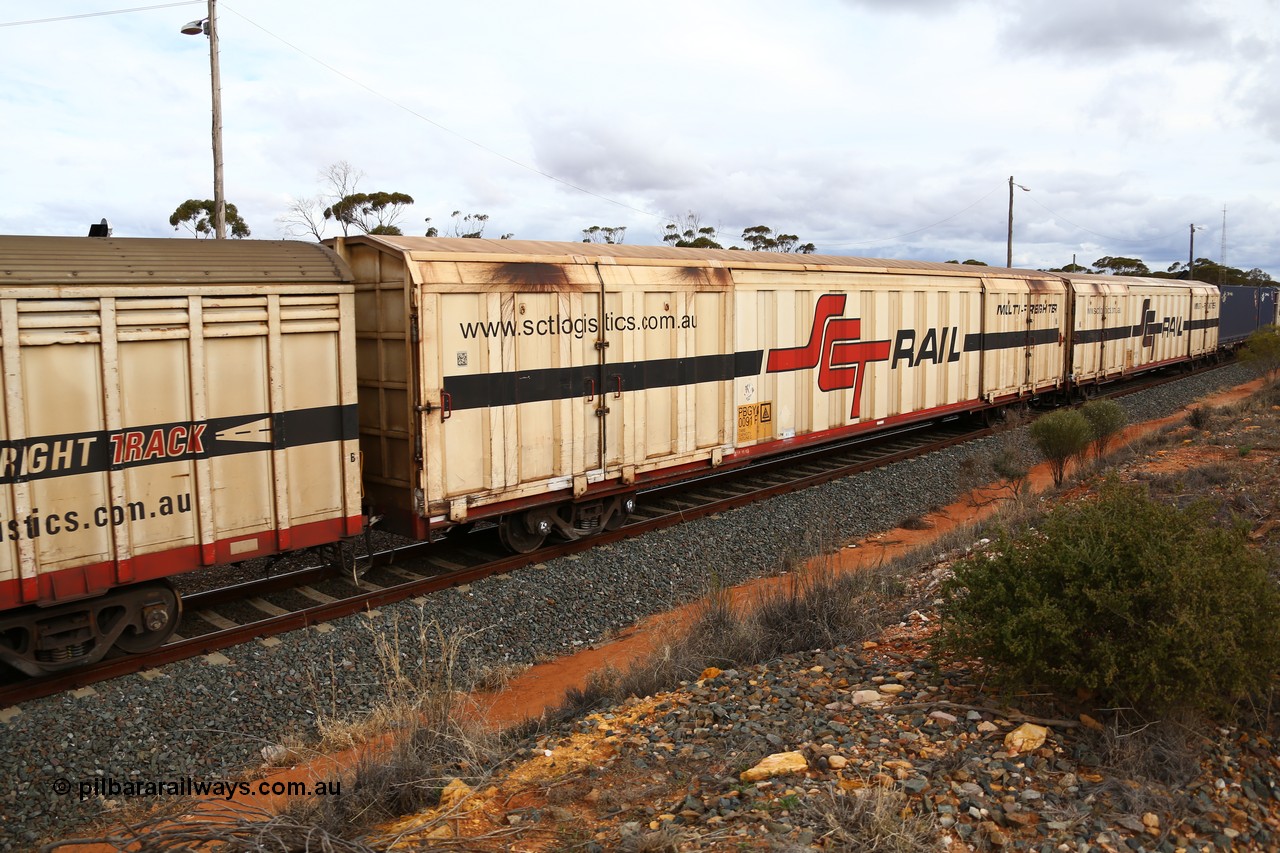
(755, 422)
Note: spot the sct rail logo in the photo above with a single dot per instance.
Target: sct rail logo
(835, 347)
(1151, 327)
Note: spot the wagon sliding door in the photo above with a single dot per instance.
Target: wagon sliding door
(1022, 339)
(668, 375)
(516, 368)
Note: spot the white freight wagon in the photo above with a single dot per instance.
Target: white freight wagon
(1125, 325)
(168, 405)
(541, 384)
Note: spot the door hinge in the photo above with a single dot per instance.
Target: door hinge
(602, 345)
(413, 327)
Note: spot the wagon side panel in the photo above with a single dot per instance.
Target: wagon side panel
(58, 504)
(152, 432)
(842, 351)
(1240, 312)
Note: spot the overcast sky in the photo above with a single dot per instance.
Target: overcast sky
(877, 128)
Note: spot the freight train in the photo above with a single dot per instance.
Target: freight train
(173, 405)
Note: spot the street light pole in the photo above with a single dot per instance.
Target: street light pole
(1008, 261)
(209, 27)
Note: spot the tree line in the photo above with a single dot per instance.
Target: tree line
(342, 201)
(1206, 270)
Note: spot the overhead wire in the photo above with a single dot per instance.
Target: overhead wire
(99, 14)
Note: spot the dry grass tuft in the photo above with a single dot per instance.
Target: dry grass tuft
(874, 819)
(431, 737)
(241, 831)
(818, 606)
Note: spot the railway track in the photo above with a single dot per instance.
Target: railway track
(228, 616)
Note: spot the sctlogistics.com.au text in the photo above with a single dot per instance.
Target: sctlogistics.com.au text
(108, 787)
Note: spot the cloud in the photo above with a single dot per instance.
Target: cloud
(1090, 30)
(882, 128)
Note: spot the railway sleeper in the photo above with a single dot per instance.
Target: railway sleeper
(133, 619)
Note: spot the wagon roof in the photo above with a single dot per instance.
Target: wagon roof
(109, 260)
(480, 250)
(1130, 279)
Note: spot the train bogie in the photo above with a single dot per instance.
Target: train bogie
(168, 405)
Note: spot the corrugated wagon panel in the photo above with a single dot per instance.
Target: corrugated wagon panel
(842, 350)
(154, 430)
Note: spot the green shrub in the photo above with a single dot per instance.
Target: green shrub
(1137, 601)
(1106, 418)
(1061, 436)
(1262, 352)
(1013, 465)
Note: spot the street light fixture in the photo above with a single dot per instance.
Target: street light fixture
(1008, 261)
(209, 27)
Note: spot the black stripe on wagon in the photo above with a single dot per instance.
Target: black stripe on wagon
(979, 342)
(1116, 333)
(47, 456)
(1093, 336)
(559, 383)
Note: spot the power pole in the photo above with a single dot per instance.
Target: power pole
(1191, 260)
(209, 27)
(1008, 261)
(1222, 268)
(219, 200)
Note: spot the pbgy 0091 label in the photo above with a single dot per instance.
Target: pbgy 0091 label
(755, 421)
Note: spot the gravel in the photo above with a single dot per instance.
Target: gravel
(210, 721)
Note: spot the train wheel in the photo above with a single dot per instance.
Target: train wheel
(626, 506)
(161, 611)
(515, 532)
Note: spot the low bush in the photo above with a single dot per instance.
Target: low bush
(1262, 352)
(1106, 418)
(1125, 597)
(437, 734)
(1011, 463)
(1061, 436)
